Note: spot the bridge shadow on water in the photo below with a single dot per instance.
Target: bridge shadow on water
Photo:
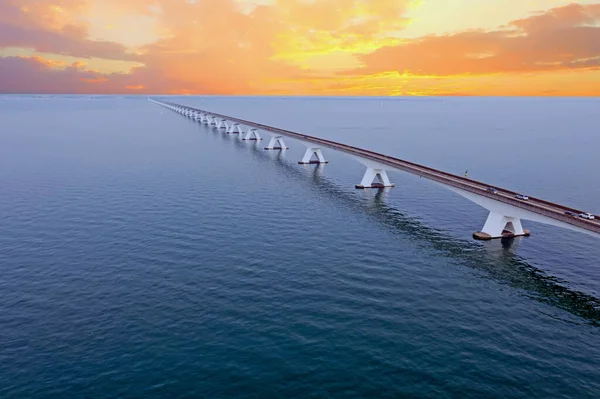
(496, 260)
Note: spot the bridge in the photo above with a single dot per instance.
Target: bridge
(506, 208)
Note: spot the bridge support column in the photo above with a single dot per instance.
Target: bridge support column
(500, 226)
(252, 134)
(276, 143)
(234, 128)
(308, 156)
(372, 174)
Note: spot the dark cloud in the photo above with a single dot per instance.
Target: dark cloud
(37, 76)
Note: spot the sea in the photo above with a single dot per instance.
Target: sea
(145, 255)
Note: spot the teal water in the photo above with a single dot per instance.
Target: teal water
(146, 255)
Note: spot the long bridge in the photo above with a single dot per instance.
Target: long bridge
(506, 208)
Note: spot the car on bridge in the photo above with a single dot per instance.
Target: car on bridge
(492, 190)
(571, 214)
(521, 197)
(587, 216)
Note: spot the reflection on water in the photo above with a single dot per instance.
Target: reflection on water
(497, 259)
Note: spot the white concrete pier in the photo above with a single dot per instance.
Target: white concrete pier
(234, 128)
(252, 134)
(499, 226)
(375, 178)
(276, 143)
(313, 155)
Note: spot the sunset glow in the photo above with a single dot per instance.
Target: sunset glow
(301, 47)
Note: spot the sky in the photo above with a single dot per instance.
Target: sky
(301, 47)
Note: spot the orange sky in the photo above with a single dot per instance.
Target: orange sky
(301, 47)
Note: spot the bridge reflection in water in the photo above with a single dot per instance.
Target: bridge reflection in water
(499, 263)
(506, 208)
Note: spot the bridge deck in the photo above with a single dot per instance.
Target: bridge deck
(535, 205)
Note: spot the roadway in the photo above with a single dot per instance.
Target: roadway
(535, 205)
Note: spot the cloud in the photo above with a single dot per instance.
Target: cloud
(36, 75)
(70, 40)
(51, 29)
(564, 37)
(216, 44)
(284, 47)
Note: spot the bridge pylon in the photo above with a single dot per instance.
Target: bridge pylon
(276, 143)
(310, 153)
(375, 178)
(252, 134)
(222, 124)
(234, 128)
(499, 226)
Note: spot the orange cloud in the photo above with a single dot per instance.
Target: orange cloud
(338, 47)
(563, 38)
(52, 29)
(48, 63)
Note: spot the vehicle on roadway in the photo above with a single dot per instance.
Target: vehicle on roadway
(587, 216)
(571, 214)
(492, 190)
(521, 197)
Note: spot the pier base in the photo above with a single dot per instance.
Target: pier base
(234, 129)
(500, 226)
(252, 134)
(310, 153)
(375, 178)
(222, 124)
(276, 143)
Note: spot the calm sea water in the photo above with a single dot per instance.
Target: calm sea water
(144, 255)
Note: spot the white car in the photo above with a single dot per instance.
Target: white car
(587, 216)
(522, 197)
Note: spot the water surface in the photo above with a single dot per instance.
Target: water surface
(145, 255)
